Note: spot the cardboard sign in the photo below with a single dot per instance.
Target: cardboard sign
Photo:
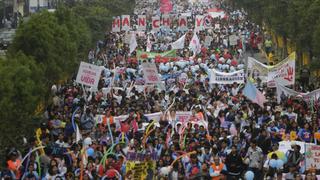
(150, 73)
(116, 24)
(89, 75)
(142, 23)
(155, 23)
(125, 22)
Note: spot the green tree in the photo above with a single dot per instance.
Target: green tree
(49, 43)
(21, 90)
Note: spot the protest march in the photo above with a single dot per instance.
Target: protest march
(173, 92)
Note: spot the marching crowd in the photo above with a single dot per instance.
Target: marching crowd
(226, 137)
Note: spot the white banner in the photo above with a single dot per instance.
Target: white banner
(183, 116)
(284, 72)
(165, 21)
(207, 22)
(150, 73)
(125, 22)
(257, 70)
(89, 75)
(183, 23)
(312, 156)
(155, 23)
(116, 24)
(284, 91)
(142, 23)
(154, 116)
(217, 77)
(199, 22)
(285, 146)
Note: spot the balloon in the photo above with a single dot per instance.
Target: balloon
(213, 57)
(273, 163)
(87, 141)
(249, 175)
(279, 164)
(90, 152)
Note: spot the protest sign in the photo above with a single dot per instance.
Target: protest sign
(125, 22)
(155, 23)
(139, 170)
(140, 156)
(257, 70)
(285, 146)
(89, 75)
(116, 24)
(217, 77)
(154, 116)
(183, 116)
(150, 73)
(171, 53)
(233, 40)
(284, 91)
(312, 156)
(165, 21)
(142, 23)
(199, 25)
(284, 72)
(183, 23)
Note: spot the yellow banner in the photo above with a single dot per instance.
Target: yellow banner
(139, 170)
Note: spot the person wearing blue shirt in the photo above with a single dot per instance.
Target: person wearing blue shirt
(304, 134)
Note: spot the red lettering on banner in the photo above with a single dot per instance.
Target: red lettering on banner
(156, 23)
(116, 23)
(125, 22)
(199, 22)
(87, 80)
(142, 21)
(166, 22)
(182, 22)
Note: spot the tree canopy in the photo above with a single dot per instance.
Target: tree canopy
(46, 49)
(293, 19)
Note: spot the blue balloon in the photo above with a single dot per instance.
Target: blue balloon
(273, 163)
(279, 163)
(249, 175)
(90, 152)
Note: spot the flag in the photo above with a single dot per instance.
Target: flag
(179, 44)
(252, 93)
(78, 135)
(149, 45)
(133, 42)
(195, 45)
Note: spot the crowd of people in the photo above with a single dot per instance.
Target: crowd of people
(96, 135)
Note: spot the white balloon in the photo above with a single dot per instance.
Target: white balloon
(87, 141)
